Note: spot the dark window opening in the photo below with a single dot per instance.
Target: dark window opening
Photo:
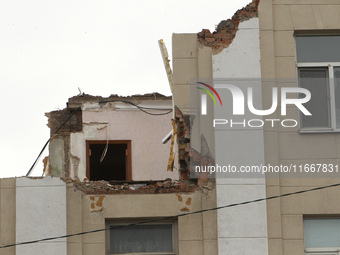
(116, 165)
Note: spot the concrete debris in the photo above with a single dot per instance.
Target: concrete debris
(76, 101)
(147, 187)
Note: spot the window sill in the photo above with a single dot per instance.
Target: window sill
(322, 251)
(147, 253)
(318, 131)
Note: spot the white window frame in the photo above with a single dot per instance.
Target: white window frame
(332, 114)
(322, 251)
(112, 222)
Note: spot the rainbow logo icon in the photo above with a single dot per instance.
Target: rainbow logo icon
(209, 93)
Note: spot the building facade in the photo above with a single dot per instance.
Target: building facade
(276, 45)
(107, 169)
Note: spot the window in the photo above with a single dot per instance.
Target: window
(322, 236)
(152, 238)
(108, 160)
(318, 62)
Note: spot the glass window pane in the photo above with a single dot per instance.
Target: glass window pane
(322, 233)
(318, 48)
(315, 80)
(141, 238)
(337, 95)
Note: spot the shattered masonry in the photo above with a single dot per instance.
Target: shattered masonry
(75, 124)
(227, 29)
(141, 187)
(188, 155)
(183, 127)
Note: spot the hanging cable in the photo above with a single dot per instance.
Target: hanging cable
(42, 150)
(107, 126)
(176, 216)
(140, 107)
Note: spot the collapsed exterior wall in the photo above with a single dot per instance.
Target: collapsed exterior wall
(183, 127)
(135, 121)
(60, 159)
(189, 157)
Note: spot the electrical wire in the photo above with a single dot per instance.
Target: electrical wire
(42, 150)
(175, 216)
(140, 107)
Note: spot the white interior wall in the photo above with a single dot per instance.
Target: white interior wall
(242, 229)
(149, 156)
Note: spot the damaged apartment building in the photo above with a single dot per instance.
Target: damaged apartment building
(268, 43)
(107, 167)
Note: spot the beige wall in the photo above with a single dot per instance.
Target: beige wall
(278, 20)
(196, 233)
(191, 60)
(7, 215)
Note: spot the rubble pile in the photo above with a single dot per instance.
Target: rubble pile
(140, 187)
